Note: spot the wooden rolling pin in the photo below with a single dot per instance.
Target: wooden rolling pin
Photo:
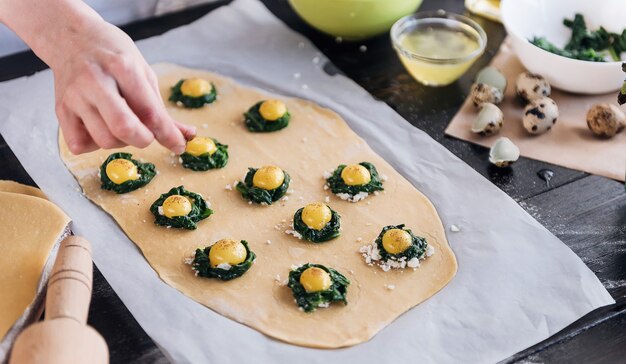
(63, 337)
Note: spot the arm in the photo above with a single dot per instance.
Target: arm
(106, 94)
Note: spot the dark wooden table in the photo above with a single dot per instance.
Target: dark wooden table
(587, 212)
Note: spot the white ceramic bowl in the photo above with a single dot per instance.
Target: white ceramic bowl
(525, 19)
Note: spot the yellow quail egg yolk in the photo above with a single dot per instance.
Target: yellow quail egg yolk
(272, 110)
(195, 87)
(316, 215)
(395, 241)
(355, 175)
(176, 205)
(200, 145)
(121, 170)
(268, 178)
(315, 279)
(227, 251)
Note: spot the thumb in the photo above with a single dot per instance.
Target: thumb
(188, 131)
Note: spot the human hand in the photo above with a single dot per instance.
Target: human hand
(106, 94)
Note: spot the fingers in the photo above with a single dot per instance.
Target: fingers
(148, 106)
(152, 80)
(97, 128)
(189, 132)
(75, 134)
(118, 117)
(118, 106)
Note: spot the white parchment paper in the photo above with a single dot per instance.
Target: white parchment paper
(517, 284)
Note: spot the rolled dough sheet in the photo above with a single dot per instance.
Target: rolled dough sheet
(316, 140)
(29, 227)
(15, 187)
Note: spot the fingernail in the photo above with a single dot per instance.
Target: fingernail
(74, 147)
(191, 133)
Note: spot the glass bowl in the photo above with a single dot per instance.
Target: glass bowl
(438, 47)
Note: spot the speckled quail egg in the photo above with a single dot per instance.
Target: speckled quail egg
(503, 152)
(489, 87)
(531, 86)
(489, 120)
(605, 120)
(540, 115)
(482, 93)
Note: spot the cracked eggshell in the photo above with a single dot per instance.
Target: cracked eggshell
(503, 152)
(540, 115)
(531, 86)
(492, 76)
(489, 120)
(482, 93)
(605, 120)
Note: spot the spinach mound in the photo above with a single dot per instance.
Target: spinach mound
(199, 210)
(310, 301)
(259, 195)
(192, 102)
(146, 172)
(206, 161)
(416, 250)
(201, 264)
(256, 123)
(337, 185)
(328, 232)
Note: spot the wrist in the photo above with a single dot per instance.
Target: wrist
(50, 29)
(66, 35)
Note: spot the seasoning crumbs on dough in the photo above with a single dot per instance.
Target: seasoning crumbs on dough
(294, 233)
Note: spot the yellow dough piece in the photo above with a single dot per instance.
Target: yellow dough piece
(200, 145)
(195, 87)
(227, 251)
(12, 186)
(268, 178)
(395, 241)
(121, 170)
(315, 279)
(355, 175)
(316, 215)
(29, 227)
(272, 110)
(256, 299)
(176, 205)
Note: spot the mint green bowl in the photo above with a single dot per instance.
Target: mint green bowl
(353, 19)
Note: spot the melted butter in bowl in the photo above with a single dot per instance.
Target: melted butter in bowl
(437, 48)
